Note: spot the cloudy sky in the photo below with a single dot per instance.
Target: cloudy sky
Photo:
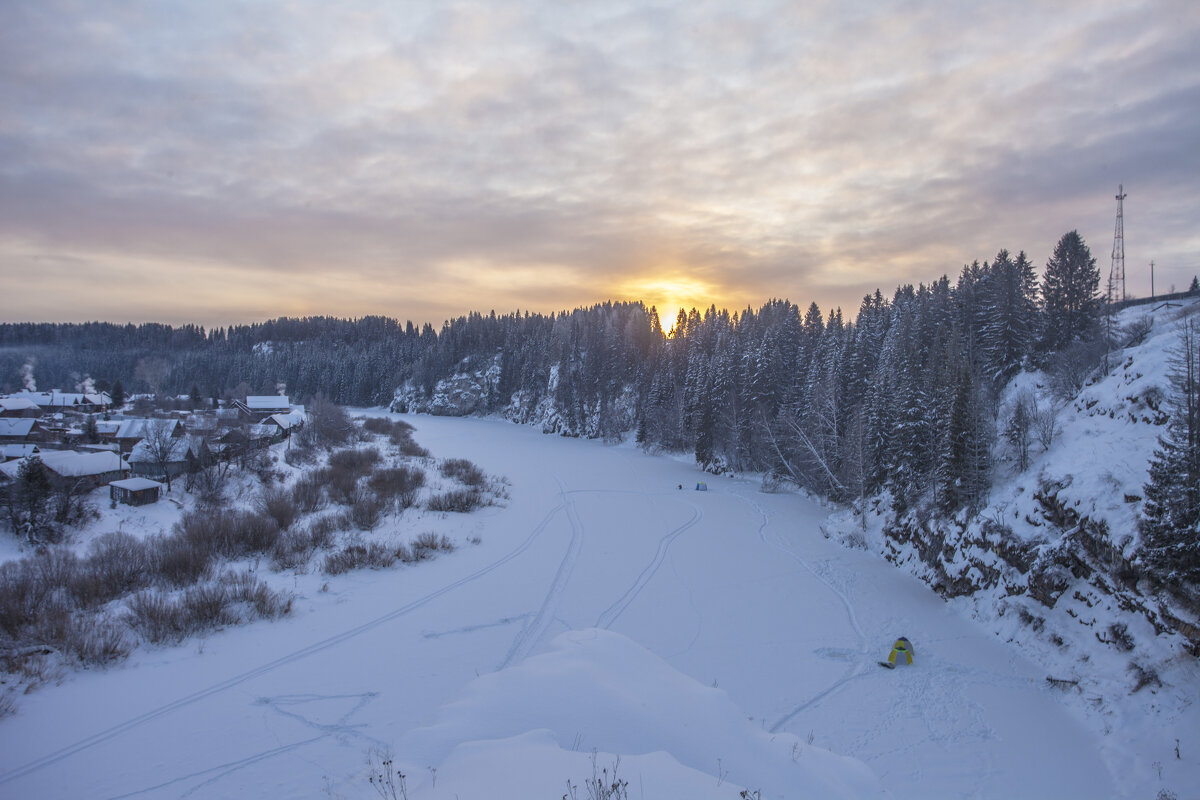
(217, 162)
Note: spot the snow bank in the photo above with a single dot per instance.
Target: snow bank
(525, 730)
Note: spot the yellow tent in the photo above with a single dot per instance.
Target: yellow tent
(904, 646)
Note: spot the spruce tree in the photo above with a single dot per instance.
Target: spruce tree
(1070, 292)
(1171, 513)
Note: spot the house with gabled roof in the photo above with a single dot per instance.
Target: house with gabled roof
(20, 431)
(132, 431)
(8, 452)
(19, 407)
(86, 402)
(69, 467)
(258, 407)
(188, 454)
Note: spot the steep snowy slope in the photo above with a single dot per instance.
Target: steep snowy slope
(1049, 563)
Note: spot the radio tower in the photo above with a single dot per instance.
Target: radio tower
(1117, 274)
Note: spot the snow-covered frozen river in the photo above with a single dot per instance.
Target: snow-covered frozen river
(714, 639)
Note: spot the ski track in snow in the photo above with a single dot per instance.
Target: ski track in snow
(116, 730)
(857, 670)
(935, 695)
(535, 630)
(613, 612)
(340, 729)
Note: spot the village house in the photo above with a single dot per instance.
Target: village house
(8, 452)
(188, 454)
(19, 407)
(256, 408)
(84, 402)
(132, 431)
(134, 491)
(67, 467)
(21, 431)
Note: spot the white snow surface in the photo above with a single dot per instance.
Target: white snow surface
(712, 641)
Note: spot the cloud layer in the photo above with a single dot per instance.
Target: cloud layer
(231, 161)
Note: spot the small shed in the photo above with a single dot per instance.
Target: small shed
(134, 491)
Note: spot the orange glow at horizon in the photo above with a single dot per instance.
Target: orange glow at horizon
(669, 294)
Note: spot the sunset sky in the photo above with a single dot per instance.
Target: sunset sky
(217, 162)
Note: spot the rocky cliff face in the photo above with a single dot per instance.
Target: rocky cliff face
(1051, 561)
(468, 392)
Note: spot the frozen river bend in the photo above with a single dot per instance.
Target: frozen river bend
(714, 640)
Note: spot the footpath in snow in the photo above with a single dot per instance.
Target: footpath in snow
(715, 641)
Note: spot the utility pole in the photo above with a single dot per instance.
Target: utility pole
(1117, 273)
(1152, 279)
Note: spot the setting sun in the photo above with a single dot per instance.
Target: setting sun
(670, 294)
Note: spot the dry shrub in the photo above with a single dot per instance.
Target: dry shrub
(20, 597)
(457, 500)
(156, 617)
(357, 556)
(117, 564)
(398, 484)
(359, 461)
(177, 560)
(464, 472)
(229, 534)
(380, 426)
(428, 544)
(205, 606)
(101, 643)
(307, 492)
(292, 550)
(366, 510)
(280, 505)
(255, 596)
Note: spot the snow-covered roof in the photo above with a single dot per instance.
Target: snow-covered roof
(136, 484)
(180, 448)
(141, 428)
(108, 427)
(71, 464)
(287, 421)
(8, 451)
(266, 402)
(57, 399)
(17, 404)
(16, 427)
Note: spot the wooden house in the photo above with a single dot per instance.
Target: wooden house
(134, 491)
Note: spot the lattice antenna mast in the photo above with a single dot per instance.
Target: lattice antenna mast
(1116, 276)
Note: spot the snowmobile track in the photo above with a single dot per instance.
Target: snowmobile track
(325, 644)
(613, 612)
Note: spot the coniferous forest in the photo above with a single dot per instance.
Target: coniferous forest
(900, 397)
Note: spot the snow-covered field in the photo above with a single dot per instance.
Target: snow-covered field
(715, 641)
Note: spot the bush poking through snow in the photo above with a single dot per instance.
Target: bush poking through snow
(308, 494)
(358, 556)
(156, 617)
(398, 485)
(429, 544)
(461, 501)
(366, 510)
(280, 505)
(464, 472)
(602, 785)
(389, 783)
(177, 560)
(229, 534)
(117, 564)
(231, 599)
